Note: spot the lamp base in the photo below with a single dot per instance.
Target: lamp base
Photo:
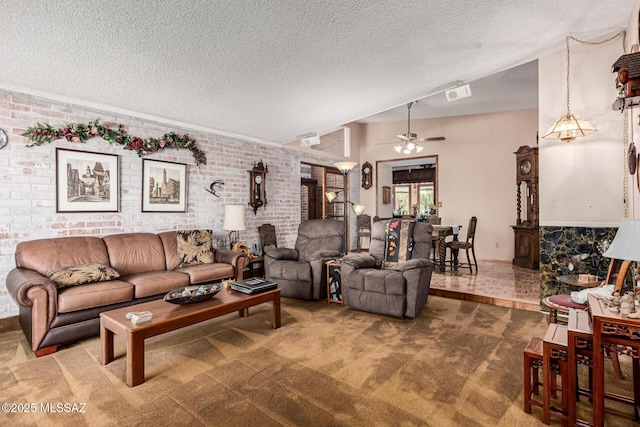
(234, 237)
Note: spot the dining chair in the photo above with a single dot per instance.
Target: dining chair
(267, 236)
(434, 220)
(364, 229)
(468, 245)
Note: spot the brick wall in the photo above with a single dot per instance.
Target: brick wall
(28, 190)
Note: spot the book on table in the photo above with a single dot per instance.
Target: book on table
(253, 285)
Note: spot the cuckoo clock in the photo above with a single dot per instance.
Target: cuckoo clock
(257, 183)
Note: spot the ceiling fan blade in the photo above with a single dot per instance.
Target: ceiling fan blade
(390, 142)
(434, 138)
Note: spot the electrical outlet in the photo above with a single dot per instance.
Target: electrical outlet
(439, 204)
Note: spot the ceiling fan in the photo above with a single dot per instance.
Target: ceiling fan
(410, 140)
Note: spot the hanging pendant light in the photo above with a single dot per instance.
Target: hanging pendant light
(569, 126)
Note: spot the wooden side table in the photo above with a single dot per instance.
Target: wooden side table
(554, 349)
(334, 282)
(254, 268)
(580, 351)
(572, 279)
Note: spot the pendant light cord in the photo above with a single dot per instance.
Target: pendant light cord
(625, 132)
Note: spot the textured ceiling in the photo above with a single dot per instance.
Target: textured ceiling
(273, 70)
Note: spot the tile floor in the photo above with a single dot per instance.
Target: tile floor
(497, 283)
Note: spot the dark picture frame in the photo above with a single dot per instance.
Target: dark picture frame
(386, 195)
(164, 186)
(87, 182)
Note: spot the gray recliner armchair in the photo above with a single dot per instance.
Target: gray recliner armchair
(301, 272)
(402, 292)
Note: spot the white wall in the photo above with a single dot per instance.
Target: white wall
(582, 182)
(476, 170)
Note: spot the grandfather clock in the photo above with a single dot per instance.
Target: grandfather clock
(527, 237)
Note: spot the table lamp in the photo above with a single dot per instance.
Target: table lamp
(234, 222)
(624, 250)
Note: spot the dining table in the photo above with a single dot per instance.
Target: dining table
(440, 232)
(615, 333)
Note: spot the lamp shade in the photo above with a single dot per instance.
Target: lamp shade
(569, 127)
(345, 167)
(331, 196)
(626, 244)
(357, 209)
(234, 218)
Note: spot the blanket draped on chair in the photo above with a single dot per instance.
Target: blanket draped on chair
(399, 243)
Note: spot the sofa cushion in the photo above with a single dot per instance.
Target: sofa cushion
(389, 282)
(156, 282)
(93, 295)
(44, 255)
(399, 243)
(207, 272)
(194, 247)
(81, 274)
(133, 253)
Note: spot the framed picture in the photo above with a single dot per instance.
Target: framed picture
(87, 182)
(164, 186)
(386, 195)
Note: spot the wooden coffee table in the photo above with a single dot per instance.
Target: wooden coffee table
(169, 317)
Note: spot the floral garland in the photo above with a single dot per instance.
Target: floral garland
(80, 132)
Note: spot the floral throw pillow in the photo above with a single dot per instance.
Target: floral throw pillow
(81, 274)
(195, 247)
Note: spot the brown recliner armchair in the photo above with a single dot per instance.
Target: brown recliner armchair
(301, 272)
(402, 292)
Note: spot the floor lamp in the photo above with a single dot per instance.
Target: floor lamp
(344, 168)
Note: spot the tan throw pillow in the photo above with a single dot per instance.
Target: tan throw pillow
(80, 274)
(195, 247)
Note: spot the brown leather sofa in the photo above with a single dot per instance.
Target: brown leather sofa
(148, 266)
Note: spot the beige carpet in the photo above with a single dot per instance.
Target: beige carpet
(457, 364)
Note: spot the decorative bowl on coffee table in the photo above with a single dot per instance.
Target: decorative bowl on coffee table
(193, 293)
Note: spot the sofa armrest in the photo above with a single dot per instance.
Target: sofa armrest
(229, 257)
(416, 263)
(281, 253)
(236, 258)
(325, 255)
(360, 261)
(21, 280)
(30, 289)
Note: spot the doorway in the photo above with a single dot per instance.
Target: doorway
(309, 198)
(413, 183)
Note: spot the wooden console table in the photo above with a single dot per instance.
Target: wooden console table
(169, 317)
(615, 333)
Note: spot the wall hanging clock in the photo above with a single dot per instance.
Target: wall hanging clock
(257, 184)
(367, 173)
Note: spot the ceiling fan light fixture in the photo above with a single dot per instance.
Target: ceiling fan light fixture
(419, 148)
(398, 148)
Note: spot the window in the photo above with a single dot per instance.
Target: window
(401, 199)
(427, 198)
